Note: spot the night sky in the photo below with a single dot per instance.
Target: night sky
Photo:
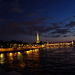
(54, 20)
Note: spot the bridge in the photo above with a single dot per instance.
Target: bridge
(59, 44)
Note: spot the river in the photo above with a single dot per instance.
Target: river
(46, 61)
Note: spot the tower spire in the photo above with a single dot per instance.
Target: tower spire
(37, 38)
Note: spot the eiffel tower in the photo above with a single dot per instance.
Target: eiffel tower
(37, 38)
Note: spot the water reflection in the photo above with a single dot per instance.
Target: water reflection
(2, 58)
(21, 60)
(41, 61)
(1, 55)
(11, 54)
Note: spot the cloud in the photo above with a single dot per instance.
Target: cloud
(13, 24)
(30, 23)
(16, 6)
(44, 19)
(11, 5)
(31, 15)
(55, 36)
(54, 24)
(17, 10)
(13, 29)
(61, 31)
(39, 29)
(74, 35)
(28, 28)
(71, 24)
(74, 16)
(1, 0)
(68, 19)
(2, 19)
(38, 21)
(45, 29)
(60, 23)
(46, 36)
(65, 35)
(31, 28)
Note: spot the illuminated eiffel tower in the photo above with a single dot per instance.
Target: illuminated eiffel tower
(37, 38)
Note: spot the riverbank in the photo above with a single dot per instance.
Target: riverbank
(2, 50)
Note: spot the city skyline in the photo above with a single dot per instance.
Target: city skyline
(37, 41)
(54, 20)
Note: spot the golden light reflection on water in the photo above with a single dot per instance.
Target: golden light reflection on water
(29, 52)
(15, 54)
(1, 58)
(22, 64)
(1, 55)
(33, 55)
(36, 50)
(21, 59)
(10, 57)
(19, 53)
(40, 59)
(11, 54)
(19, 56)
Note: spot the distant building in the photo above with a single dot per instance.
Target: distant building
(37, 38)
(72, 42)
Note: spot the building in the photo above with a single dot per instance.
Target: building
(72, 42)
(37, 38)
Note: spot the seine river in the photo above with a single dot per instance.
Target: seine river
(46, 61)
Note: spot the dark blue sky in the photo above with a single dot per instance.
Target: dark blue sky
(54, 20)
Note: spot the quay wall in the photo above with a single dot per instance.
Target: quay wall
(17, 49)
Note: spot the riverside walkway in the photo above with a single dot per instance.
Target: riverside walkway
(18, 49)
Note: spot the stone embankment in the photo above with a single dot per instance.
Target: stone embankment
(17, 49)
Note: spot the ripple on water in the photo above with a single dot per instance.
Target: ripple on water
(51, 61)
